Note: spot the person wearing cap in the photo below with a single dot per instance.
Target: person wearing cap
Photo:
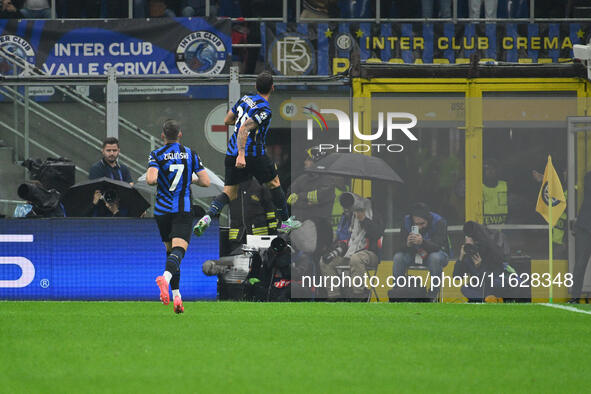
(427, 246)
(314, 195)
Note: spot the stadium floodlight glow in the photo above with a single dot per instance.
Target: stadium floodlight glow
(583, 53)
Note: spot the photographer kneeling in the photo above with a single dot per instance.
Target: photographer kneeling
(480, 257)
(358, 236)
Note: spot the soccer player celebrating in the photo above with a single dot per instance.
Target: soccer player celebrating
(246, 156)
(171, 167)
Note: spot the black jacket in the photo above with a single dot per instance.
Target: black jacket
(584, 217)
(101, 169)
(492, 255)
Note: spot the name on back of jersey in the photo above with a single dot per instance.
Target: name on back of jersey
(176, 156)
(249, 101)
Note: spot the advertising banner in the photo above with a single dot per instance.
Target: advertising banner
(330, 48)
(98, 259)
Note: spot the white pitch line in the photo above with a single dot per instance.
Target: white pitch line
(567, 308)
(16, 237)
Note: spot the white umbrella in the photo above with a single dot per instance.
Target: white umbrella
(216, 186)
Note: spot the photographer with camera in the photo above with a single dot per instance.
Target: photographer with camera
(480, 256)
(106, 202)
(424, 242)
(110, 206)
(359, 236)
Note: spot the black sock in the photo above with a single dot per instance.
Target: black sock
(218, 204)
(174, 281)
(173, 261)
(280, 203)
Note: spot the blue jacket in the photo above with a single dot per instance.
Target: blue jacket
(434, 235)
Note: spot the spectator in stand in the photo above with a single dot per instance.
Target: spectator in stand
(356, 9)
(428, 9)
(490, 8)
(317, 9)
(8, 10)
(140, 9)
(233, 8)
(159, 9)
(36, 9)
(94, 8)
(79, 8)
(191, 8)
(553, 9)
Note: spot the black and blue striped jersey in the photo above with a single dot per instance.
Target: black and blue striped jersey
(176, 164)
(257, 108)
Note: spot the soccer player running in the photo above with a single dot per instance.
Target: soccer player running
(246, 156)
(172, 168)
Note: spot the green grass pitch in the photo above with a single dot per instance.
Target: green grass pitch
(81, 347)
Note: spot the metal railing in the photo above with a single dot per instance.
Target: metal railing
(30, 71)
(379, 18)
(376, 19)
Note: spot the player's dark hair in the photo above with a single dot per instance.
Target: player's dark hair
(264, 82)
(110, 141)
(171, 129)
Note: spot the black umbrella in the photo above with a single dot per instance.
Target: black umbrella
(356, 165)
(78, 198)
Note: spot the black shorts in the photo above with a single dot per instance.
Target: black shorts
(261, 167)
(175, 225)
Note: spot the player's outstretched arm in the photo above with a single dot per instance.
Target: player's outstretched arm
(230, 118)
(201, 179)
(152, 176)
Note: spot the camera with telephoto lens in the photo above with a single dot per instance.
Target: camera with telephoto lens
(351, 202)
(339, 250)
(470, 249)
(44, 201)
(110, 196)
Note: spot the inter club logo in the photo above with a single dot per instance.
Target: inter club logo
(14, 46)
(202, 53)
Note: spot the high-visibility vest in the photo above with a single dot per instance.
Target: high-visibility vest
(560, 228)
(495, 208)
